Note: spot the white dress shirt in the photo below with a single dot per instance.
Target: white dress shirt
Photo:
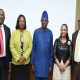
(77, 48)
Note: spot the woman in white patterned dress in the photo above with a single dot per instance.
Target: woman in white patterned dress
(62, 54)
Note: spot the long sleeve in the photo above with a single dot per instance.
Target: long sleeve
(28, 51)
(10, 55)
(55, 49)
(33, 48)
(52, 56)
(70, 51)
(12, 48)
(72, 54)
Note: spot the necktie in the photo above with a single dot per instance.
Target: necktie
(1, 42)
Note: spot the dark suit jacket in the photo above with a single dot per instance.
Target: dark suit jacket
(4, 61)
(74, 37)
(7, 37)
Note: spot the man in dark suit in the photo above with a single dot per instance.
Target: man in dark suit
(75, 69)
(5, 56)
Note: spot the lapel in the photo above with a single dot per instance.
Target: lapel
(75, 36)
(74, 40)
(5, 30)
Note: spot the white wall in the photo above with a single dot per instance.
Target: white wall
(60, 11)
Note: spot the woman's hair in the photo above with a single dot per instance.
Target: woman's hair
(67, 36)
(17, 23)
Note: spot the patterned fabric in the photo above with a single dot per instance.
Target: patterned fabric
(62, 51)
(21, 42)
(57, 75)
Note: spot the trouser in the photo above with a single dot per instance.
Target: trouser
(75, 71)
(3, 69)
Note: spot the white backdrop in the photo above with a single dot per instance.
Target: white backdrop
(59, 11)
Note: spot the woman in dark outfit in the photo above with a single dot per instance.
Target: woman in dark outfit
(62, 53)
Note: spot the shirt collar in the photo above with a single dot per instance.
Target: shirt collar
(79, 31)
(1, 25)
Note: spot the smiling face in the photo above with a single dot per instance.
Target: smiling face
(44, 23)
(64, 31)
(2, 16)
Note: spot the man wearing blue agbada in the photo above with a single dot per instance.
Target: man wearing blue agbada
(41, 58)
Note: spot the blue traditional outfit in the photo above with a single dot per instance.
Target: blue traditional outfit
(42, 51)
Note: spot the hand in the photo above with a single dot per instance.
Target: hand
(21, 62)
(62, 68)
(33, 68)
(50, 69)
(9, 66)
(22, 59)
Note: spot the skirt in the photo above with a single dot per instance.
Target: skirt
(20, 72)
(58, 75)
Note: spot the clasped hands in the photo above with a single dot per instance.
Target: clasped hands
(22, 60)
(62, 67)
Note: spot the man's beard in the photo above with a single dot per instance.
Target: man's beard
(44, 27)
